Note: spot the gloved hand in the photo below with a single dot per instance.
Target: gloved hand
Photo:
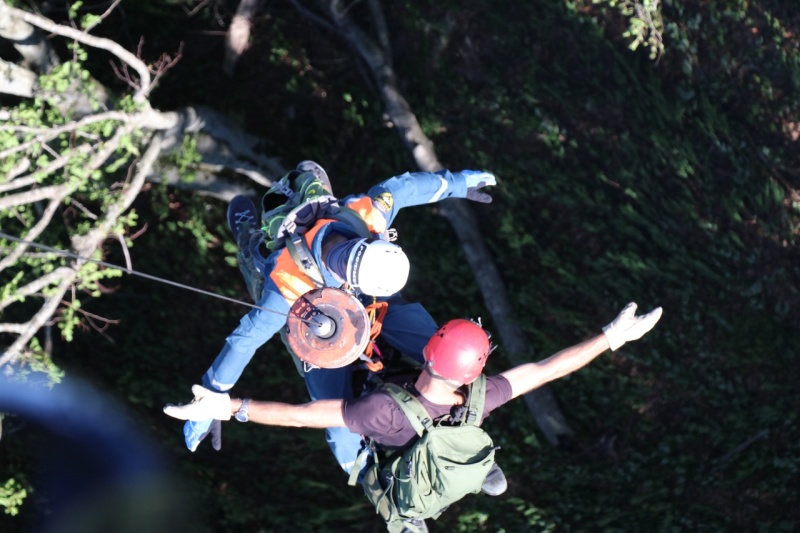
(206, 404)
(629, 327)
(195, 432)
(203, 415)
(477, 179)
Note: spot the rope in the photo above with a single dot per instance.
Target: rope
(136, 273)
(376, 312)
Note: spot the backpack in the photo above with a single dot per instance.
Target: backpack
(450, 459)
(291, 207)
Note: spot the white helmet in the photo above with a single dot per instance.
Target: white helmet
(377, 268)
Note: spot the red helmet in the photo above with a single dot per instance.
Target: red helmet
(458, 350)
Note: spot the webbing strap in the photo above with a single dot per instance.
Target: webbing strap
(304, 259)
(349, 217)
(414, 410)
(322, 207)
(418, 416)
(362, 456)
(476, 401)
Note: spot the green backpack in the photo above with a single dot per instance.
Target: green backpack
(291, 207)
(450, 459)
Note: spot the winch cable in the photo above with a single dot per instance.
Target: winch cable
(137, 273)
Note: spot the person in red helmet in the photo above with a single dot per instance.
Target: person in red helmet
(458, 351)
(455, 357)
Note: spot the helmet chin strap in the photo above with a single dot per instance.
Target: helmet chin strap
(455, 385)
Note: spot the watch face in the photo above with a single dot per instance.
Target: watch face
(241, 414)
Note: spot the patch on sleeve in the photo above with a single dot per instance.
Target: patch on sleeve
(384, 201)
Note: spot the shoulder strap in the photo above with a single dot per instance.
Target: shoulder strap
(476, 401)
(415, 412)
(349, 217)
(301, 254)
(305, 215)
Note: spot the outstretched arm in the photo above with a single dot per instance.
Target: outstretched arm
(317, 414)
(626, 327)
(219, 406)
(420, 188)
(525, 378)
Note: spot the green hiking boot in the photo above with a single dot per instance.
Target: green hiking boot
(318, 171)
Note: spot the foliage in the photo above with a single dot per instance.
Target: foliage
(12, 494)
(64, 163)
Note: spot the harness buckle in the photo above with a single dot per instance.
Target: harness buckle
(285, 189)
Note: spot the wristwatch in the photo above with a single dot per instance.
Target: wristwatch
(241, 414)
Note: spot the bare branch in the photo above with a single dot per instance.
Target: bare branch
(12, 328)
(30, 43)
(35, 286)
(29, 329)
(37, 230)
(165, 63)
(102, 17)
(196, 9)
(204, 183)
(238, 35)
(381, 28)
(23, 165)
(48, 134)
(34, 195)
(54, 165)
(125, 252)
(16, 80)
(96, 42)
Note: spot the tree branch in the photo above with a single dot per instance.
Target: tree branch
(36, 230)
(238, 35)
(108, 45)
(59, 162)
(16, 80)
(35, 286)
(48, 134)
(85, 246)
(30, 43)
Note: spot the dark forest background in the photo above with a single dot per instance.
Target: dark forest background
(667, 179)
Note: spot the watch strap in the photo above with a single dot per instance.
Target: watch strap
(241, 415)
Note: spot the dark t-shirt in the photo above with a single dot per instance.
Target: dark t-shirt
(377, 415)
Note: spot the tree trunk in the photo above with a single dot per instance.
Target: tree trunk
(541, 402)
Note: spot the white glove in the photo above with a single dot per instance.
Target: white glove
(206, 404)
(475, 181)
(478, 178)
(629, 327)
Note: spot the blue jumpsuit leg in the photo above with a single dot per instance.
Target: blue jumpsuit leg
(408, 327)
(334, 384)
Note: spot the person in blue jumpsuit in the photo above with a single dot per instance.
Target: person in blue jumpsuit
(406, 326)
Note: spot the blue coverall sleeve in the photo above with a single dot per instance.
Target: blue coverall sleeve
(417, 188)
(255, 329)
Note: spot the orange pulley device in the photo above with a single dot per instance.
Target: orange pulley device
(328, 328)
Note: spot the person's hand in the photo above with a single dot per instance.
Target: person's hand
(476, 180)
(204, 415)
(195, 431)
(206, 404)
(629, 327)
